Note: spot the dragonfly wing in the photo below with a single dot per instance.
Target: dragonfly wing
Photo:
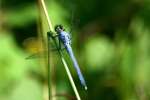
(41, 54)
(37, 55)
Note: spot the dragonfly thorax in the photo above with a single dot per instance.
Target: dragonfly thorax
(62, 34)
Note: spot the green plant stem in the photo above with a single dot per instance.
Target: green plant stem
(71, 79)
(47, 16)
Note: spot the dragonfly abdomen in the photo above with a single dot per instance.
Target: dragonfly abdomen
(76, 66)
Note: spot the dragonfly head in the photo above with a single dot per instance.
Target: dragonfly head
(59, 28)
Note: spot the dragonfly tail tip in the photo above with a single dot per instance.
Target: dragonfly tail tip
(85, 87)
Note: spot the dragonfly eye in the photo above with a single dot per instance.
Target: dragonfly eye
(59, 28)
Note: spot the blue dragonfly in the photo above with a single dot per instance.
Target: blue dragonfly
(65, 39)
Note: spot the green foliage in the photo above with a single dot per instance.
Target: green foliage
(112, 44)
(101, 50)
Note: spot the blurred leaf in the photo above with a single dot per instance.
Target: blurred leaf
(13, 65)
(22, 16)
(99, 52)
(27, 89)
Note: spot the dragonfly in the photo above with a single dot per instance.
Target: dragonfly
(65, 39)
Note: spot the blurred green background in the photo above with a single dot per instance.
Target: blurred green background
(111, 41)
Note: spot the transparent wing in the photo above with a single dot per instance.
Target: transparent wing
(36, 55)
(42, 54)
(35, 47)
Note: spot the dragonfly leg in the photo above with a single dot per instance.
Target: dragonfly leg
(50, 34)
(60, 45)
(55, 37)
